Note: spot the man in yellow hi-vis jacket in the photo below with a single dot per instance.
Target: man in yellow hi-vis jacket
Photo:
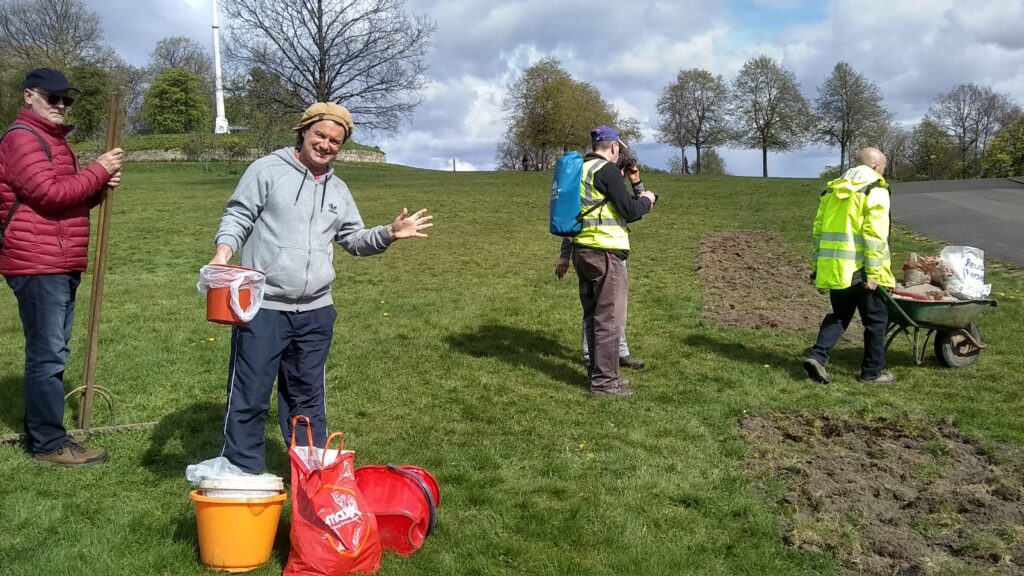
(852, 262)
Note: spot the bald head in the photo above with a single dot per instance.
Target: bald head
(872, 158)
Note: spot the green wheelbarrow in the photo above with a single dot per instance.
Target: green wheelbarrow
(957, 340)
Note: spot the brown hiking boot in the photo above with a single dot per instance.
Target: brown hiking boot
(631, 362)
(71, 454)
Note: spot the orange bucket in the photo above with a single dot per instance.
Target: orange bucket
(218, 300)
(404, 500)
(236, 535)
(218, 305)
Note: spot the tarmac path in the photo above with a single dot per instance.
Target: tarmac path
(986, 214)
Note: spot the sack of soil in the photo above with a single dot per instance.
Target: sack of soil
(918, 270)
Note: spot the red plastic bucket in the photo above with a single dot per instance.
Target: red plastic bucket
(404, 499)
(218, 301)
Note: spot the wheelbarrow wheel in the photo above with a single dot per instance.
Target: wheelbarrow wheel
(956, 350)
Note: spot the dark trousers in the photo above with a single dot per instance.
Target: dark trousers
(873, 315)
(46, 304)
(291, 347)
(604, 291)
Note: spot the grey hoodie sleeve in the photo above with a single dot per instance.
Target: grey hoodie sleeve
(243, 209)
(358, 240)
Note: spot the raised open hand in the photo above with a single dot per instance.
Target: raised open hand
(406, 226)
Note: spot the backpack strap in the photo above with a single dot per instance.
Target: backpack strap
(17, 203)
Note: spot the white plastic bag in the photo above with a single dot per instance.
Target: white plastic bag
(235, 278)
(968, 267)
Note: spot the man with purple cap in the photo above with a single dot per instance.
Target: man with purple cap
(599, 253)
(284, 218)
(44, 227)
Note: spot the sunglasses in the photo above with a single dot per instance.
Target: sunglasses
(54, 99)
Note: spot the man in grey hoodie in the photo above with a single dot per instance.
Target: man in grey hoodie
(285, 215)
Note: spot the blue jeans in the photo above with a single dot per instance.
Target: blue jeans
(46, 304)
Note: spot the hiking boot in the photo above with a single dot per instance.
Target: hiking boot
(880, 380)
(621, 390)
(816, 371)
(71, 454)
(631, 362)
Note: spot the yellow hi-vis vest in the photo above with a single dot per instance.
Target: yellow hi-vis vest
(851, 231)
(603, 227)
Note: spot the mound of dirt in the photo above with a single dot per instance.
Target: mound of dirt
(891, 496)
(752, 281)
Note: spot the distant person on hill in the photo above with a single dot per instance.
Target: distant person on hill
(285, 215)
(627, 164)
(599, 253)
(852, 262)
(44, 222)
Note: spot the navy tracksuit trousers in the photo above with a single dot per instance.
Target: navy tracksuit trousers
(291, 347)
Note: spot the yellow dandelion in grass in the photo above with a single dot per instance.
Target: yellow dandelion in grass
(767, 365)
(387, 315)
(582, 445)
(211, 339)
(383, 302)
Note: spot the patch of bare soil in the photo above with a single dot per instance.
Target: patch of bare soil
(752, 281)
(891, 496)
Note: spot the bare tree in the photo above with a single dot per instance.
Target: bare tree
(971, 115)
(847, 106)
(894, 141)
(693, 112)
(181, 52)
(59, 33)
(364, 54)
(769, 111)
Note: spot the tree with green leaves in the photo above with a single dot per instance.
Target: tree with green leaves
(92, 102)
(175, 103)
(547, 110)
(1005, 154)
(694, 112)
(768, 109)
(930, 153)
(848, 105)
(253, 103)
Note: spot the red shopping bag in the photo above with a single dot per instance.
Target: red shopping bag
(333, 531)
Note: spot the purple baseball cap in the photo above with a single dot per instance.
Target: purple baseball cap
(604, 134)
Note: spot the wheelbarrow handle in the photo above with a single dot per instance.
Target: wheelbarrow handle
(894, 305)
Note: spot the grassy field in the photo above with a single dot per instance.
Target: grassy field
(460, 354)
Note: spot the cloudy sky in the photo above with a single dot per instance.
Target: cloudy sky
(913, 50)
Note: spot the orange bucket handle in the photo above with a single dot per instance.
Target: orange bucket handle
(309, 429)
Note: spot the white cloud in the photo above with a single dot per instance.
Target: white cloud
(913, 50)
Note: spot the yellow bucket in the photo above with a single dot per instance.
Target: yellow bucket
(236, 535)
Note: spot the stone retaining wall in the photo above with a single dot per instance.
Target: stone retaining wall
(175, 155)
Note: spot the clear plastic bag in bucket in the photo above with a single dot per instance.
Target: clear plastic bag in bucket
(233, 294)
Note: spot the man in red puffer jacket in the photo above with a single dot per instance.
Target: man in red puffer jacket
(44, 215)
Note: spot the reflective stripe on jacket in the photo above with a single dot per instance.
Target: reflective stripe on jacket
(603, 227)
(851, 231)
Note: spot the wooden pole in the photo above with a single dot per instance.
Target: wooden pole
(114, 122)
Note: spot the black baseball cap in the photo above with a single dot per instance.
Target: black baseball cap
(47, 79)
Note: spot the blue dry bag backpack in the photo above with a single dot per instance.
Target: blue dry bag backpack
(566, 219)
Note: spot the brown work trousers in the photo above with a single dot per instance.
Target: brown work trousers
(604, 291)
